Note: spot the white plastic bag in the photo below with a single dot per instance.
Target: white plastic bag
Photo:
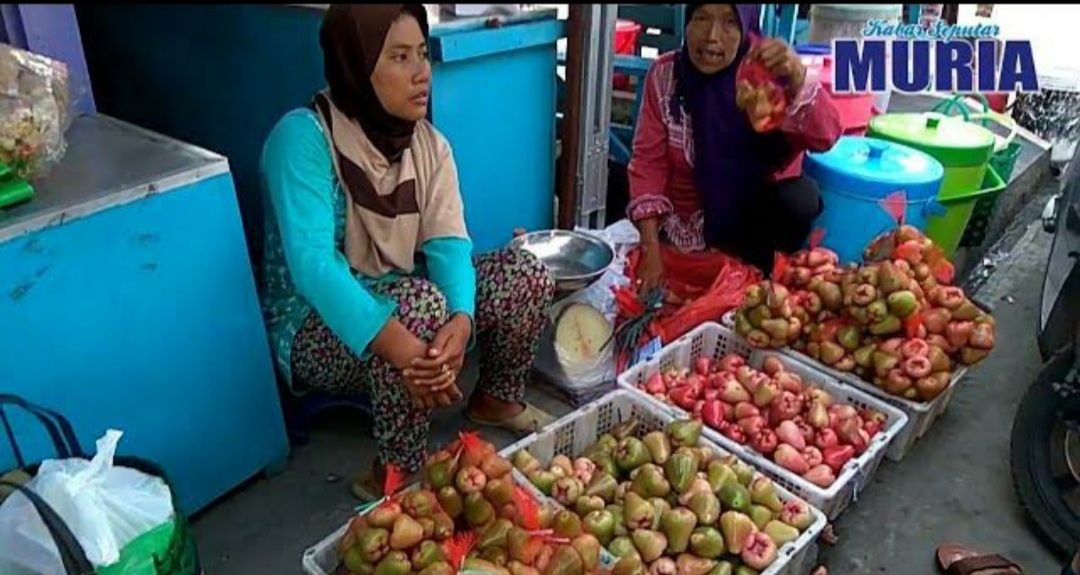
(622, 236)
(579, 376)
(104, 506)
(555, 363)
(34, 111)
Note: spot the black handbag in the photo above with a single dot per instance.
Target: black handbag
(180, 557)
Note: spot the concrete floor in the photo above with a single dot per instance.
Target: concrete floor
(955, 485)
(264, 527)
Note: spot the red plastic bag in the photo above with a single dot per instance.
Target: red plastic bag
(758, 92)
(701, 286)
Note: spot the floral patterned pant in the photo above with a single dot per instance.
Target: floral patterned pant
(513, 293)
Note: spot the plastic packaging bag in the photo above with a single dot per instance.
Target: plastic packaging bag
(760, 95)
(581, 380)
(565, 372)
(35, 102)
(105, 507)
(702, 286)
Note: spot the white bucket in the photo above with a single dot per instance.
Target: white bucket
(831, 21)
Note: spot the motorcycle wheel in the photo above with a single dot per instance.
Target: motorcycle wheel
(1045, 458)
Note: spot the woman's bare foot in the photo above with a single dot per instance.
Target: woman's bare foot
(488, 408)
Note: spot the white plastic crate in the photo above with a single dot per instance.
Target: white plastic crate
(715, 341)
(576, 431)
(921, 414)
(323, 557)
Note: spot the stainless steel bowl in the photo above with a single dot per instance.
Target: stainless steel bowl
(575, 260)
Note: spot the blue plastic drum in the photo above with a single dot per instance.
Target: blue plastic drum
(856, 175)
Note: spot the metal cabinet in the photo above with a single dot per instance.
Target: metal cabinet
(127, 302)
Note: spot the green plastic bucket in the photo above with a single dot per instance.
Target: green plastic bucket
(947, 230)
(1006, 151)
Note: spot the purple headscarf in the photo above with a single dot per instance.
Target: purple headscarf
(731, 160)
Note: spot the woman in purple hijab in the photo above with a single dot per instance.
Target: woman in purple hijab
(700, 176)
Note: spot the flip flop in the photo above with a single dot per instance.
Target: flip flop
(366, 489)
(529, 420)
(956, 559)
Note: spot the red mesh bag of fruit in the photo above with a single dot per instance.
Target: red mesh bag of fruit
(699, 287)
(761, 95)
(908, 243)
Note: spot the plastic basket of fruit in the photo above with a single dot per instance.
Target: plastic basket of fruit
(661, 494)
(821, 439)
(323, 558)
(460, 517)
(893, 326)
(921, 414)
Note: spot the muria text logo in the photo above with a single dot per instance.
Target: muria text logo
(939, 58)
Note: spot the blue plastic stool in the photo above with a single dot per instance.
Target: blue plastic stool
(302, 410)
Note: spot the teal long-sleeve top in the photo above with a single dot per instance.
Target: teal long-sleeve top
(305, 269)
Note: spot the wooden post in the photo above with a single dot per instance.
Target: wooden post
(570, 134)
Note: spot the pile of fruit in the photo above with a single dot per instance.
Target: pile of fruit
(400, 536)
(662, 505)
(467, 515)
(894, 321)
(800, 426)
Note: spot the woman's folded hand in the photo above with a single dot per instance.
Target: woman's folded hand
(447, 351)
(428, 385)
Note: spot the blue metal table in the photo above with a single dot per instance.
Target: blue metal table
(127, 302)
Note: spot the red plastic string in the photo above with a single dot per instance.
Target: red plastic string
(940, 265)
(830, 328)
(816, 237)
(944, 272)
(470, 442)
(780, 266)
(394, 478)
(458, 547)
(895, 204)
(912, 325)
(629, 304)
(527, 509)
(908, 251)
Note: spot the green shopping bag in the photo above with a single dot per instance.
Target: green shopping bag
(168, 549)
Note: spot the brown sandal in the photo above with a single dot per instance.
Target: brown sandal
(956, 559)
(528, 420)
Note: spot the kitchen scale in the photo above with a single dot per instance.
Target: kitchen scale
(13, 190)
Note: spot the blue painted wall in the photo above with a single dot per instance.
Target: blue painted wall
(217, 76)
(220, 76)
(104, 320)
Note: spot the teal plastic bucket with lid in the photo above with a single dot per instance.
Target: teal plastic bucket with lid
(856, 175)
